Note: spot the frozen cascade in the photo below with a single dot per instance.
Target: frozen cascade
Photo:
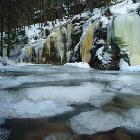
(59, 44)
(37, 50)
(86, 39)
(110, 30)
(128, 28)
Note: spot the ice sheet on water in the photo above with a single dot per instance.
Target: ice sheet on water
(98, 121)
(47, 101)
(28, 109)
(129, 84)
(132, 119)
(85, 93)
(101, 99)
(94, 121)
(12, 102)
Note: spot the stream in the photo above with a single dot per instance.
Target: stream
(53, 102)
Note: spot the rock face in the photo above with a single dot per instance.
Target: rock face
(57, 47)
(77, 40)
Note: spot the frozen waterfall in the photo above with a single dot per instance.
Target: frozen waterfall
(128, 28)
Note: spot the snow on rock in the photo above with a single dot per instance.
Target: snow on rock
(124, 7)
(104, 57)
(6, 61)
(125, 67)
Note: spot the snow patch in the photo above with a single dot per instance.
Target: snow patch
(125, 67)
(78, 64)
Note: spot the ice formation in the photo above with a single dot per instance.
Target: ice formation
(48, 44)
(99, 121)
(48, 101)
(69, 32)
(86, 40)
(31, 51)
(87, 45)
(60, 36)
(95, 121)
(128, 28)
(58, 42)
(62, 86)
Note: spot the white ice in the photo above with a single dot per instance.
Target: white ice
(99, 121)
(94, 121)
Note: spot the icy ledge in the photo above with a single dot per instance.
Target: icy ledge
(98, 121)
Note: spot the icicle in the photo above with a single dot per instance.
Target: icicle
(4, 51)
(69, 31)
(48, 42)
(29, 52)
(39, 49)
(59, 45)
(110, 31)
(68, 56)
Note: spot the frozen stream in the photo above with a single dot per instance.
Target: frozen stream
(47, 102)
